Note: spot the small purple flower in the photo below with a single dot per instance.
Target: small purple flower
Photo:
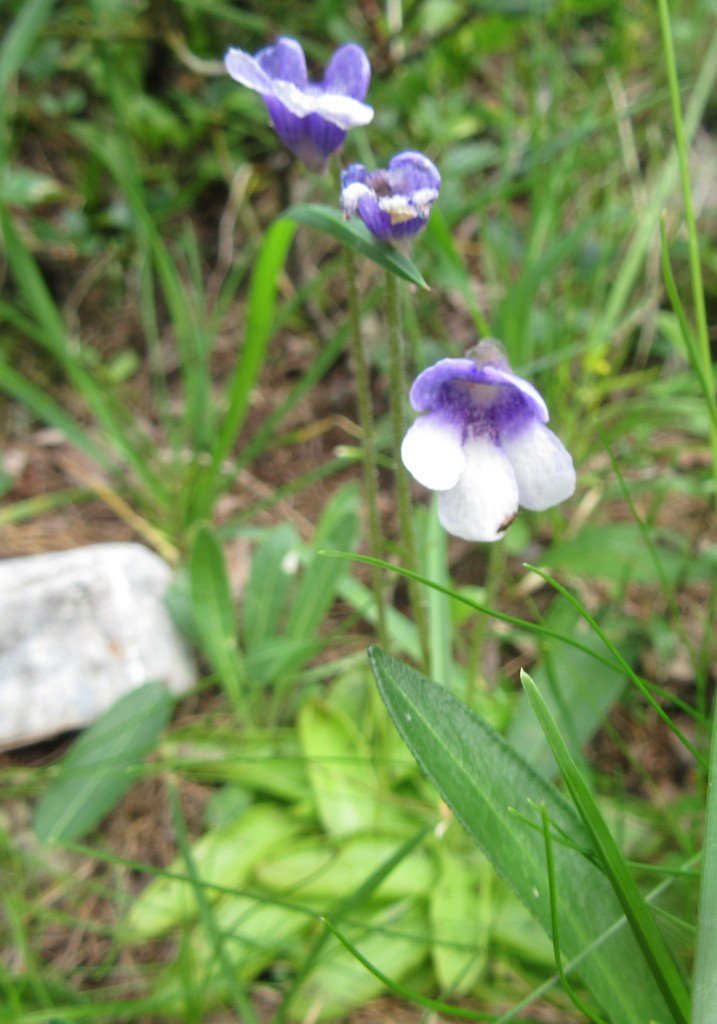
(395, 203)
(311, 119)
(483, 444)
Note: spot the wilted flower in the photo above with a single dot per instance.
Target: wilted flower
(483, 444)
(393, 203)
(311, 119)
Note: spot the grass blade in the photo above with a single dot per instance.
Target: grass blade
(18, 43)
(704, 986)
(659, 959)
(242, 1004)
(260, 320)
(54, 338)
(627, 668)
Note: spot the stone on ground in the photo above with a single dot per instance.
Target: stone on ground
(78, 629)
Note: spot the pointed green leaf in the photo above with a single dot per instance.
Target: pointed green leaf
(356, 237)
(100, 766)
(491, 790)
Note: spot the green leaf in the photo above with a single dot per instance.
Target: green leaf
(357, 237)
(238, 995)
(343, 779)
(316, 868)
(492, 791)
(666, 974)
(454, 272)
(213, 610)
(47, 409)
(224, 856)
(101, 765)
(461, 913)
(258, 934)
(394, 937)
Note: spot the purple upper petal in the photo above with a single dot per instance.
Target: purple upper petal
(484, 399)
(355, 173)
(411, 172)
(348, 72)
(284, 60)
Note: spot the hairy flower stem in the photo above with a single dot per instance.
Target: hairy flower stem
(403, 494)
(494, 575)
(368, 435)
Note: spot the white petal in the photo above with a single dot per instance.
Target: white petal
(542, 466)
(485, 499)
(350, 196)
(294, 99)
(342, 111)
(432, 453)
(244, 69)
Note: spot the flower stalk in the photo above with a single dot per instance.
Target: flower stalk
(368, 439)
(403, 495)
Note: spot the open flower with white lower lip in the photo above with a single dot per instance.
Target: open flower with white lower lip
(310, 118)
(394, 203)
(482, 443)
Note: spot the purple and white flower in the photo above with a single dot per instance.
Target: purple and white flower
(482, 443)
(311, 119)
(393, 203)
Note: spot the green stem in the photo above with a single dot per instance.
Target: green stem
(368, 440)
(495, 572)
(705, 976)
(698, 295)
(403, 493)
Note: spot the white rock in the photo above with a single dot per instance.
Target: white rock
(78, 629)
